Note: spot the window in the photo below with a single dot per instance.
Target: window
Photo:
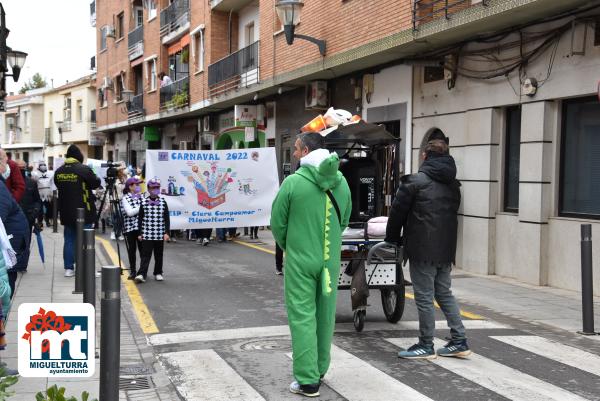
(512, 158)
(67, 108)
(249, 34)
(580, 158)
(120, 26)
(79, 110)
(151, 5)
(119, 88)
(198, 50)
(26, 121)
(151, 77)
(103, 97)
(139, 17)
(103, 31)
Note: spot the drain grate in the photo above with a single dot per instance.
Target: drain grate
(132, 370)
(133, 383)
(265, 345)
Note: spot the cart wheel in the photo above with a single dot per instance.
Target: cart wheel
(359, 319)
(393, 303)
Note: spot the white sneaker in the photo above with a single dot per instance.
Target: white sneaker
(112, 236)
(205, 241)
(173, 239)
(159, 277)
(69, 272)
(139, 279)
(121, 238)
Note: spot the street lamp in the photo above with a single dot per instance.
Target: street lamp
(289, 12)
(16, 61)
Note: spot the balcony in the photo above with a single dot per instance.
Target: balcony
(238, 70)
(174, 20)
(135, 108)
(429, 10)
(175, 95)
(135, 41)
(93, 13)
(66, 126)
(228, 5)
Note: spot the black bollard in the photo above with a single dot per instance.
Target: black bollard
(55, 211)
(587, 281)
(110, 332)
(89, 269)
(79, 224)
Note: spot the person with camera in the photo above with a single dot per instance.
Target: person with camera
(75, 182)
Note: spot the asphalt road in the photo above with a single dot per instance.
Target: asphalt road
(222, 336)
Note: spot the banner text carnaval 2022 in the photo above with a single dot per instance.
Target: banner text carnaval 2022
(216, 189)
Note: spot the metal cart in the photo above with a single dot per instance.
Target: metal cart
(369, 161)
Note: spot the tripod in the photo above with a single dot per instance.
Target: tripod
(116, 214)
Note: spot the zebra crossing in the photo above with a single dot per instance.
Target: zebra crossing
(254, 364)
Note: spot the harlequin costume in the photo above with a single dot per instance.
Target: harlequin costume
(154, 223)
(130, 204)
(306, 226)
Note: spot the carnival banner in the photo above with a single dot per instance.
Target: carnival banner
(218, 188)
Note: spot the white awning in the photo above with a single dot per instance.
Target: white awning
(23, 146)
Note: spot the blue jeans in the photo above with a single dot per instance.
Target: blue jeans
(221, 234)
(70, 235)
(433, 281)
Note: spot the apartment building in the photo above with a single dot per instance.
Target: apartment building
(416, 66)
(22, 126)
(69, 118)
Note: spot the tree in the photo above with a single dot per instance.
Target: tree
(35, 82)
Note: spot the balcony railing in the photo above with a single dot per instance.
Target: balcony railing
(136, 106)
(174, 17)
(239, 69)
(135, 40)
(175, 95)
(93, 13)
(66, 126)
(428, 10)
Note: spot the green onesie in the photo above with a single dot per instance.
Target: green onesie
(306, 226)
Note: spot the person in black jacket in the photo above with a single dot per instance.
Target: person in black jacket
(75, 182)
(426, 207)
(31, 203)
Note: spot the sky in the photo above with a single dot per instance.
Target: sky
(57, 36)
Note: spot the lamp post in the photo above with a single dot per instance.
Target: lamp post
(8, 57)
(289, 12)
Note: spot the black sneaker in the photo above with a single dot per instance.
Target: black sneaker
(458, 349)
(418, 351)
(307, 390)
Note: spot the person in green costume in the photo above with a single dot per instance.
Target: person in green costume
(307, 226)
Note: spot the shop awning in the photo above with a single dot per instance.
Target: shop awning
(177, 46)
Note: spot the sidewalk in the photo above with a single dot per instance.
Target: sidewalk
(553, 307)
(46, 283)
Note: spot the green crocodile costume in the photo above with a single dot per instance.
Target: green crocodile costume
(306, 226)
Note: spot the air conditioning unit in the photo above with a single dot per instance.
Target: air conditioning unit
(206, 124)
(316, 95)
(108, 31)
(183, 145)
(107, 83)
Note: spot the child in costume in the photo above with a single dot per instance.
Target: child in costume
(154, 225)
(130, 203)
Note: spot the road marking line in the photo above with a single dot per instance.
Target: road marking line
(142, 312)
(565, 354)
(260, 248)
(357, 380)
(468, 315)
(204, 375)
(506, 381)
(276, 331)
